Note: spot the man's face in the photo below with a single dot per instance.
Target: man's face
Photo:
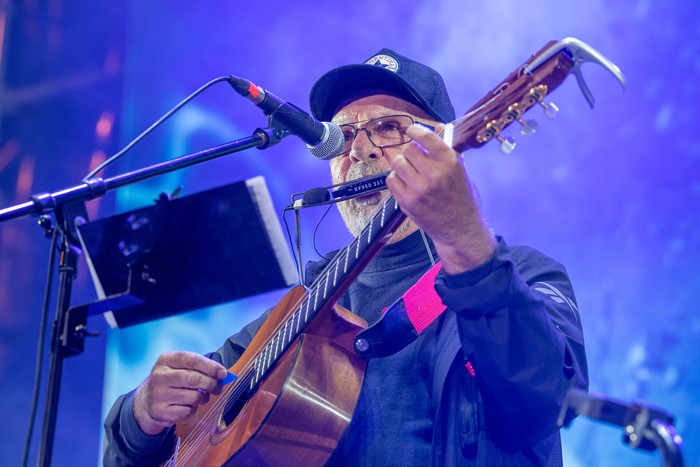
(365, 158)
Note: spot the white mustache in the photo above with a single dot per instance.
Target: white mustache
(363, 169)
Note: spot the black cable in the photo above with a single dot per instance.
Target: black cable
(297, 243)
(318, 224)
(297, 261)
(155, 125)
(40, 347)
(289, 238)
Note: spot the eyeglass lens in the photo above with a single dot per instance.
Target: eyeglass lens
(389, 130)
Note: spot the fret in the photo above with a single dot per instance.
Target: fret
(345, 269)
(306, 316)
(369, 231)
(289, 324)
(258, 371)
(297, 314)
(325, 286)
(291, 336)
(335, 274)
(381, 224)
(254, 373)
(276, 342)
(268, 358)
(281, 339)
(261, 363)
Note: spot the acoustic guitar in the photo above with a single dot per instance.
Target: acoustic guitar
(299, 379)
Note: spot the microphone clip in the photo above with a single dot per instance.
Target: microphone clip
(270, 136)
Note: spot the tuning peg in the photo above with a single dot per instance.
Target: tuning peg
(550, 110)
(538, 93)
(528, 127)
(507, 144)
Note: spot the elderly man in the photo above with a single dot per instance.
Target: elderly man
(482, 384)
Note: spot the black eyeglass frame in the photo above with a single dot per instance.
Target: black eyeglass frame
(356, 130)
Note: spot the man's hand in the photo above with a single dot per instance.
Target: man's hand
(178, 383)
(433, 189)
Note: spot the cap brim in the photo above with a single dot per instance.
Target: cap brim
(338, 85)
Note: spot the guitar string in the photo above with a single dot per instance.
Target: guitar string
(188, 448)
(201, 429)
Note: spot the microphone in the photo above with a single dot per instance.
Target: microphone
(315, 196)
(360, 186)
(324, 139)
(310, 198)
(342, 191)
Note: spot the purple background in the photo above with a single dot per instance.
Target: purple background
(613, 192)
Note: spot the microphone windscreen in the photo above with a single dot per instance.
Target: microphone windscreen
(315, 196)
(332, 143)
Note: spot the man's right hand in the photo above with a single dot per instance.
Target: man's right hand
(179, 382)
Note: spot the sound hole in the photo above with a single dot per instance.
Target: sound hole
(232, 409)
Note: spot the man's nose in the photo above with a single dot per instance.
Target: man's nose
(362, 148)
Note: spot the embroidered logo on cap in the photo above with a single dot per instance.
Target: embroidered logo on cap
(384, 61)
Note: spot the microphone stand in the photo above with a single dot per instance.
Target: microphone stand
(69, 326)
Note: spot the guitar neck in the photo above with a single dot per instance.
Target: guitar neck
(332, 283)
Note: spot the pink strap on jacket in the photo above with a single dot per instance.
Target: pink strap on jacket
(401, 323)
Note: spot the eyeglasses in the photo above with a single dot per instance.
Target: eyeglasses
(383, 132)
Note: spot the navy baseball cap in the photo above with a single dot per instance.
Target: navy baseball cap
(385, 72)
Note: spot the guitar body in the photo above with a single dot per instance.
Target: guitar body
(299, 411)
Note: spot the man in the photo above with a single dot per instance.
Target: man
(484, 382)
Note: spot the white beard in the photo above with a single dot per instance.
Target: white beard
(357, 212)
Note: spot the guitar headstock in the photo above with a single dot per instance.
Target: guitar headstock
(526, 87)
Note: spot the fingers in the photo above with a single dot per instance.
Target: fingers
(177, 401)
(193, 361)
(179, 382)
(155, 410)
(423, 163)
(431, 143)
(187, 370)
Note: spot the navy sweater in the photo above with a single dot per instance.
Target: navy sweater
(514, 319)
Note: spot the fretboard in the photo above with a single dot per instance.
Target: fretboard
(331, 283)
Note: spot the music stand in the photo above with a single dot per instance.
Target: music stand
(188, 253)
